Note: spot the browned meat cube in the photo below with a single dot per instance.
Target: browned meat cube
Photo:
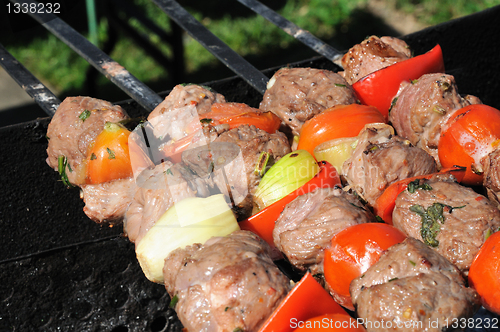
(412, 288)
(225, 284)
(296, 95)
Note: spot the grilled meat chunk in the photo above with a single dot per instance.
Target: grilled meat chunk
(423, 107)
(454, 220)
(414, 289)
(307, 224)
(491, 175)
(372, 54)
(107, 203)
(239, 150)
(188, 95)
(229, 283)
(76, 124)
(158, 189)
(381, 159)
(295, 95)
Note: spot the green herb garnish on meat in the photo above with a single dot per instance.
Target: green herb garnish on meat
(206, 121)
(414, 185)
(84, 115)
(432, 218)
(174, 301)
(340, 85)
(62, 163)
(393, 103)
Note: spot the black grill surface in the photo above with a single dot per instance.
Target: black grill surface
(61, 272)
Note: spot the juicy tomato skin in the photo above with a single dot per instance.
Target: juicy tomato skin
(385, 203)
(337, 122)
(236, 114)
(379, 88)
(470, 134)
(484, 273)
(352, 252)
(108, 157)
(329, 322)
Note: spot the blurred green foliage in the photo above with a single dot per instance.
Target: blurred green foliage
(433, 12)
(64, 71)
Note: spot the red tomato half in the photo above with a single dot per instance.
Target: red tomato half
(108, 158)
(336, 122)
(470, 134)
(385, 203)
(484, 273)
(236, 114)
(352, 252)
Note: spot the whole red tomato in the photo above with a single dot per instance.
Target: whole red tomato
(470, 134)
(352, 252)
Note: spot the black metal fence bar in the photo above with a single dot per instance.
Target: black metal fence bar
(101, 61)
(39, 92)
(293, 30)
(213, 44)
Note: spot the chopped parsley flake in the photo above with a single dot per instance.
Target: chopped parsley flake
(414, 185)
(111, 153)
(174, 301)
(393, 103)
(432, 218)
(84, 115)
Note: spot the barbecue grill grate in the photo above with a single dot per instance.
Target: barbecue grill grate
(61, 272)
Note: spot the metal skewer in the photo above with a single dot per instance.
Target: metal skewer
(97, 58)
(39, 92)
(213, 44)
(293, 30)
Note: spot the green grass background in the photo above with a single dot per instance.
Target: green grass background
(339, 22)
